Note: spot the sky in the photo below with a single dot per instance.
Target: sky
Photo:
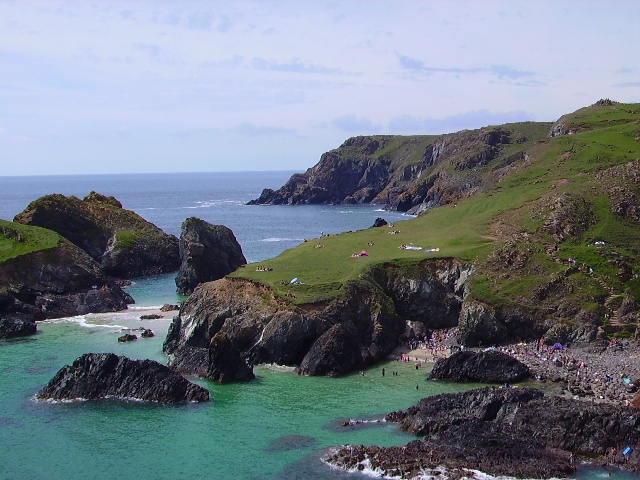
(136, 86)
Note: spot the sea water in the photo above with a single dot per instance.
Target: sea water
(279, 426)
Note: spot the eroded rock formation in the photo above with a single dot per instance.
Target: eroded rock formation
(105, 375)
(208, 252)
(484, 367)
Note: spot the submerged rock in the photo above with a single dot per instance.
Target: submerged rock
(16, 326)
(207, 252)
(486, 367)
(100, 375)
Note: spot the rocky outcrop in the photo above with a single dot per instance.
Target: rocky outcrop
(58, 282)
(16, 325)
(362, 326)
(484, 367)
(106, 375)
(122, 242)
(409, 174)
(225, 363)
(207, 252)
(511, 431)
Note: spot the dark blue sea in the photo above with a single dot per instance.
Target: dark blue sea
(279, 426)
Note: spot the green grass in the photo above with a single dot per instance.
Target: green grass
(463, 231)
(17, 239)
(127, 239)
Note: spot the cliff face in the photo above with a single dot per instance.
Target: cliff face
(58, 282)
(413, 173)
(208, 252)
(361, 327)
(122, 242)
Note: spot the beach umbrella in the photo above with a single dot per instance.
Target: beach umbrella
(363, 253)
(295, 280)
(558, 346)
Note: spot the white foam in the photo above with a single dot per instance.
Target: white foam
(81, 320)
(279, 239)
(277, 368)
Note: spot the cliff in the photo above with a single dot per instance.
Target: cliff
(50, 277)
(122, 242)
(361, 326)
(207, 252)
(413, 173)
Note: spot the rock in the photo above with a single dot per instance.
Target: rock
(355, 330)
(105, 375)
(127, 337)
(16, 326)
(124, 244)
(151, 316)
(501, 431)
(379, 222)
(225, 363)
(486, 367)
(169, 307)
(147, 333)
(61, 281)
(207, 252)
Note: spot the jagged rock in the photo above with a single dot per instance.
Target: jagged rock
(225, 363)
(147, 333)
(502, 431)
(124, 244)
(150, 316)
(16, 326)
(102, 375)
(353, 331)
(127, 337)
(479, 326)
(208, 252)
(379, 222)
(169, 307)
(485, 367)
(57, 282)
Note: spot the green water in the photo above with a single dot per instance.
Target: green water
(276, 427)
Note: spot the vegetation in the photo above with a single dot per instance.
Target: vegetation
(507, 230)
(17, 240)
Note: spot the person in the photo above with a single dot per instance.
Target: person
(383, 372)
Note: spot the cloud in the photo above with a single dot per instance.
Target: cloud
(410, 125)
(256, 130)
(500, 71)
(352, 124)
(627, 84)
(293, 66)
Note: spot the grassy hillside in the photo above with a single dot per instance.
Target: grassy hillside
(17, 240)
(571, 192)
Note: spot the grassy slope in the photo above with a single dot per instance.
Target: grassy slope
(468, 231)
(17, 240)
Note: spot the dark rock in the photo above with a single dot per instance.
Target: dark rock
(208, 252)
(151, 316)
(58, 282)
(379, 222)
(124, 244)
(502, 431)
(147, 333)
(169, 307)
(225, 363)
(127, 337)
(486, 367)
(16, 326)
(100, 375)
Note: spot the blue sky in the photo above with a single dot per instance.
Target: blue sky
(167, 86)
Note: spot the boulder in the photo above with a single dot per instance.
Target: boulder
(122, 242)
(147, 333)
(486, 367)
(127, 337)
(102, 375)
(169, 307)
(207, 252)
(379, 222)
(16, 326)
(151, 316)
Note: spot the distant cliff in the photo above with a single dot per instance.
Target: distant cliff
(411, 173)
(122, 242)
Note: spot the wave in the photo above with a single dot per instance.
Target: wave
(213, 203)
(81, 320)
(279, 239)
(277, 368)
(142, 307)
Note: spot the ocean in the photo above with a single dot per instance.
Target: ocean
(279, 426)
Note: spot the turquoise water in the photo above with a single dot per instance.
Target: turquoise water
(276, 427)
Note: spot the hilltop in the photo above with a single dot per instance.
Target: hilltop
(545, 244)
